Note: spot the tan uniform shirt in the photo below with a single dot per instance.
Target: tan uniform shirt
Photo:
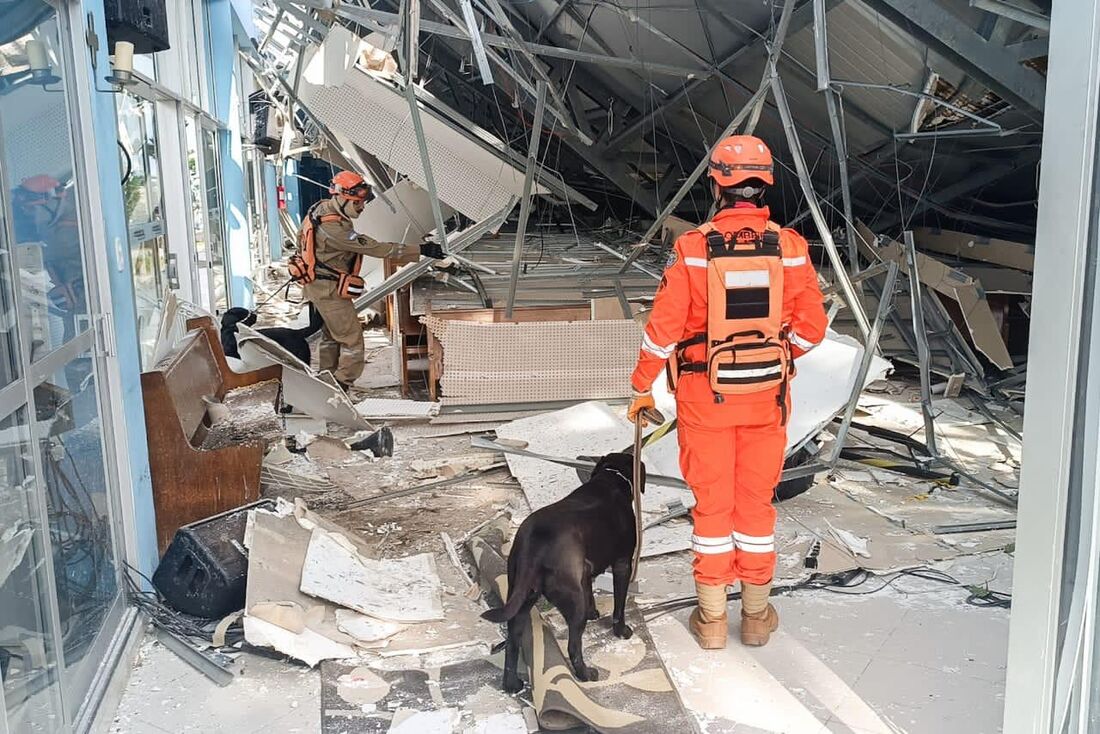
(337, 243)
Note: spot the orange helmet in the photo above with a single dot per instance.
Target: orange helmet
(740, 158)
(350, 185)
(41, 184)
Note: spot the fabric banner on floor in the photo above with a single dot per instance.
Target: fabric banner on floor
(633, 694)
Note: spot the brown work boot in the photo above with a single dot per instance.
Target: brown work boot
(709, 635)
(756, 629)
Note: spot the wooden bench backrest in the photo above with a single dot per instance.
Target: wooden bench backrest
(190, 372)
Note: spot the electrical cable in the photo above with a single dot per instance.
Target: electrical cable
(849, 583)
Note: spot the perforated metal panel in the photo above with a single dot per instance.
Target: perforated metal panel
(536, 361)
(374, 115)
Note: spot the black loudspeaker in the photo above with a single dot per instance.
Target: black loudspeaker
(205, 569)
(265, 126)
(143, 23)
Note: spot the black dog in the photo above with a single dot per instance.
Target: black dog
(292, 340)
(557, 552)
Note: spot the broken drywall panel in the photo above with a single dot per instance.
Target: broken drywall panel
(373, 113)
(982, 325)
(986, 249)
(366, 630)
(999, 280)
(393, 408)
(452, 466)
(277, 550)
(402, 214)
(673, 228)
(819, 392)
(593, 429)
(408, 721)
(307, 646)
(395, 590)
(493, 363)
(315, 395)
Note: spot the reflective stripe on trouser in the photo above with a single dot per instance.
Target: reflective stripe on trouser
(341, 349)
(732, 470)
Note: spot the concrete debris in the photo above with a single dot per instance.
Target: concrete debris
(397, 590)
(406, 721)
(855, 544)
(366, 629)
(306, 645)
(387, 409)
(452, 466)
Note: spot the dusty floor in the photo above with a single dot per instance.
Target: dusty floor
(913, 657)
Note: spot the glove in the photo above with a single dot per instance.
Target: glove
(641, 401)
(432, 250)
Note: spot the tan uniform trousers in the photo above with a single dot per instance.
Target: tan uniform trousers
(341, 347)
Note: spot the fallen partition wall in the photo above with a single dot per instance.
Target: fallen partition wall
(502, 363)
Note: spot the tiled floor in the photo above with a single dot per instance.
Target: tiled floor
(913, 658)
(164, 694)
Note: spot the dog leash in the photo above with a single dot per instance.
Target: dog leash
(648, 415)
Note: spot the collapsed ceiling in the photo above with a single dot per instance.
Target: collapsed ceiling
(939, 104)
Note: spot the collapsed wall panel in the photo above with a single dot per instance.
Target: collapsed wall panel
(536, 361)
(373, 113)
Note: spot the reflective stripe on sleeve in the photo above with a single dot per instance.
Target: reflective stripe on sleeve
(695, 262)
(803, 344)
(655, 349)
(794, 262)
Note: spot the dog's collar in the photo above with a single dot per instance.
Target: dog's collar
(629, 482)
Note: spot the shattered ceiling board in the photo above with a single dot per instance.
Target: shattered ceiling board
(374, 115)
(999, 252)
(535, 361)
(955, 284)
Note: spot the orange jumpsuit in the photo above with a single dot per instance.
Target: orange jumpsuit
(731, 453)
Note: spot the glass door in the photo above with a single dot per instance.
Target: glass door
(60, 599)
(215, 218)
(139, 147)
(207, 219)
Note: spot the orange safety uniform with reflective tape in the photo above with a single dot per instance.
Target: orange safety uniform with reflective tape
(731, 452)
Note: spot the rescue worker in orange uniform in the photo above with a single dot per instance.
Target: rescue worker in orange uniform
(738, 303)
(338, 250)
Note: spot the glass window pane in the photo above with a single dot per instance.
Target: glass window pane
(68, 432)
(146, 65)
(216, 217)
(9, 327)
(28, 658)
(37, 161)
(131, 137)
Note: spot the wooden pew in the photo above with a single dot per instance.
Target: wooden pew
(189, 482)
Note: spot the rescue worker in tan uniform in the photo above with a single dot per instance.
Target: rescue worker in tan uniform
(338, 250)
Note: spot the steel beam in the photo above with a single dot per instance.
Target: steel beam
(850, 296)
(1032, 48)
(885, 306)
(525, 202)
(412, 271)
(938, 200)
(930, 22)
(924, 358)
(836, 125)
(773, 59)
(562, 7)
(801, 18)
(1013, 12)
(476, 40)
(426, 162)
(360, 14)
